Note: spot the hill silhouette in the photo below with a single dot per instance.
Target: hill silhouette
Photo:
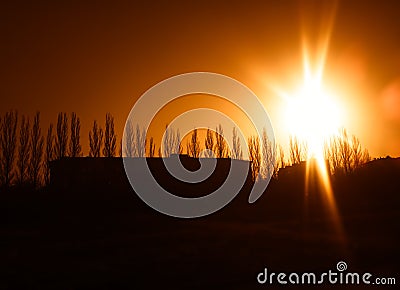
(90, 230)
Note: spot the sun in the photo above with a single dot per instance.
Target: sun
(312, 116)
(311, 113)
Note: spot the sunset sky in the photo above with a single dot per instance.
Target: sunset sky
(96, 57)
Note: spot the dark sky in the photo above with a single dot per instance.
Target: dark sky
(94, 57)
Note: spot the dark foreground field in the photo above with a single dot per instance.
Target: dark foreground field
(87, 240)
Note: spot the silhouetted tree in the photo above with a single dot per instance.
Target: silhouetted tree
(281, 163)
(339, 153)
(344, 154)
(360, 155)
(23, 151)
(95, 140)
(8, 146)
(129, 140)
(37, 142)
(297, 150)
(120, 148)
(140, 143)
(356, 151)
(75, 147)
(209, 143)
(168, 141)
(49, 153)
(268, 156)
(152, 147)
(110, 139)
(178, 146)
(220, 144)
(332, 155)
(193, 147)
(236, 150)
(171, 142)
(279, 160)
(366, 157)
(61, 140)
(254, 156)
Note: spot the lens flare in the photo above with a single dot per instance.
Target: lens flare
(313, 115)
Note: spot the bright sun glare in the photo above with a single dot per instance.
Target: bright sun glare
(312, 116)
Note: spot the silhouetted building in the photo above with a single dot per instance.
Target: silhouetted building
(84, 172)
(291, 171)
(108, 174)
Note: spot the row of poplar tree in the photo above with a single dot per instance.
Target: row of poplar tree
(26, 151)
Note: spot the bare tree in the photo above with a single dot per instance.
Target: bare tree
(193, 147)
(95, 140)
(152, 148)
(171, 142)
(360, 155)
(281, 157)
(129, 140)
(49, 154)
(280, 160)
(356, 151)
(8, 146)
(236, 150)
(294, 149)
(344, 154)
(220, 144)
(110, 138)
(298, 150)
(268, 156)
(332, 155)
(75, 148)
(366, 157)
(168, 141)
(140, 142)
(61, 139)
(254, 156)
(120, 148)
(177, 145)
(23, 151)
(209, 143)
(37, 142)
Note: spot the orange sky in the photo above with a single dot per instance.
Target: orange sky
(96, 57)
